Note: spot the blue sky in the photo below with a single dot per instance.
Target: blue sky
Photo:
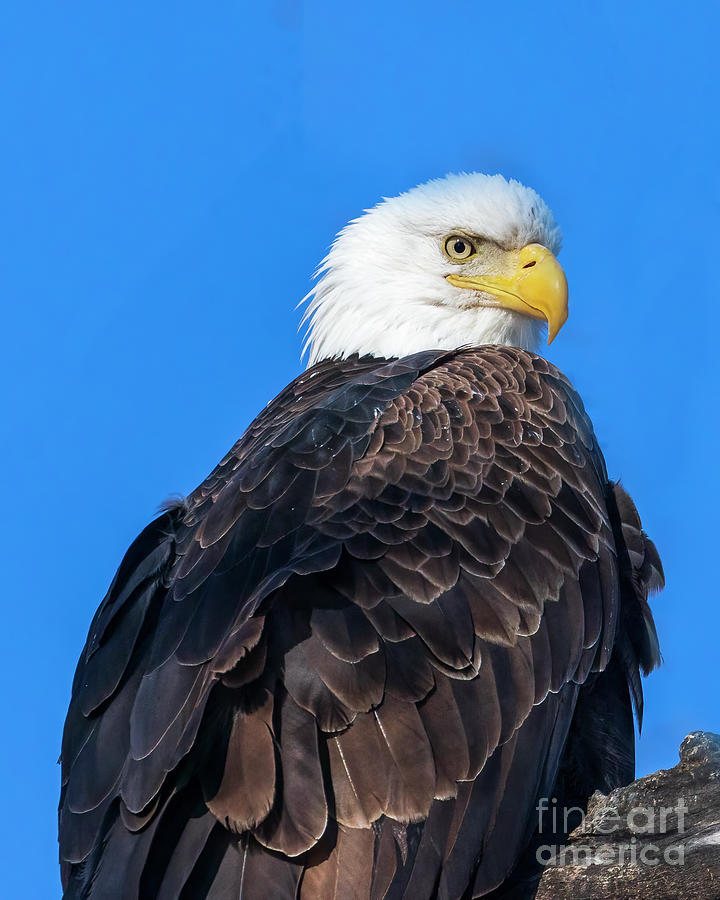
(170, 174)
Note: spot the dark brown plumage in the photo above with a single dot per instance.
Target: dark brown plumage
(349, 664)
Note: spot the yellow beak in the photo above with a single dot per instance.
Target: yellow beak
(538, 287)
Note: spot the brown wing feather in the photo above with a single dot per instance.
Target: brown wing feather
(346, 873)
(247, 789)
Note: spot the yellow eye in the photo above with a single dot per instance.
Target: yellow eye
(458, 247)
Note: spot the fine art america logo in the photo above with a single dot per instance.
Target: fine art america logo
(632, 831)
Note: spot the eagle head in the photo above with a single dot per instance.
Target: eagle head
(463, 260)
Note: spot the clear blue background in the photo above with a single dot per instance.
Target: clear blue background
(170, 173)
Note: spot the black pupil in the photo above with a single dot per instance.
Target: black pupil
(459, 247)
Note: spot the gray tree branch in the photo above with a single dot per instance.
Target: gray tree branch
(656, 839)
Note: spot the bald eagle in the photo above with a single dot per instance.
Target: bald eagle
(403, 611)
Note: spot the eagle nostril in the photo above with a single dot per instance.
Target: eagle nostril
(530, 264)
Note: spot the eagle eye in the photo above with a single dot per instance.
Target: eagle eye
(458, 247)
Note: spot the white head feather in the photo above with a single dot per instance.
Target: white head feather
(382, 288)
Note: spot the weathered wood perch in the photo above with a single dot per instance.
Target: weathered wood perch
(656, 839)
